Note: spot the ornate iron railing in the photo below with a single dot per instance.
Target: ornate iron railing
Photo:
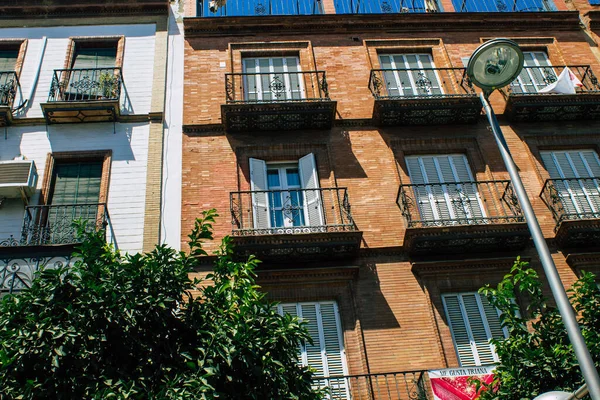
(388, 386)
(292, 211)
(54, 224)
(17, 274)
(90, 84)
(459, 203)
(532, 79)
(572, 199)
(9, 85)
(385, 6)
(266, 87)
(503, 5)
(421, 83)
(240, 8)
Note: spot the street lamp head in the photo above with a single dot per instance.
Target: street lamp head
(554, 396)
(495, 64)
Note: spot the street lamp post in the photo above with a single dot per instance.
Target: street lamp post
(493, 65)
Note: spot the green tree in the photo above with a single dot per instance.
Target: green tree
(539, 358)
(127, 326)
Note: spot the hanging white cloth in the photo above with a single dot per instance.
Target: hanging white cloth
(565, 84)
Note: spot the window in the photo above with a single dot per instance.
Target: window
(575, 175)
(537, 73)
(326, 355)
(285, 195)
(94, 55)
(473, 322)
(269, 79)
(410, 75)
(444, 189)
(502, 5)
(8, 59)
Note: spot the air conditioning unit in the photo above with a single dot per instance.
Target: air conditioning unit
(17, 178)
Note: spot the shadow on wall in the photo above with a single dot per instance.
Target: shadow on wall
(346, 165)
(374, 310)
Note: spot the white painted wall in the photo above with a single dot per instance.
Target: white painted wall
(171, 203)
(127, 188)
(138, 61)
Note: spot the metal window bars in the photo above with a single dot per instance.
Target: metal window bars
(240, 8)
(503, 5)
(532, 79)
(572, 199)
(386, 6)
(89, 84)
(9, 85)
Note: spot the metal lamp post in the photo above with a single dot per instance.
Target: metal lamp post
(493, 65)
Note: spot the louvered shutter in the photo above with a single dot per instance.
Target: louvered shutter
(573, 173)
(448, 200)
(8, 60)
(312, 196)
(258, 185)
(326, 354)
(87, 58)
(473, 323)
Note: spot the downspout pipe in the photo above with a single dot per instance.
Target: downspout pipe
(36, 77)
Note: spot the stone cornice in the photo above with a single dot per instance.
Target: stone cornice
(428, 269)
(23, 9)
(389, 23)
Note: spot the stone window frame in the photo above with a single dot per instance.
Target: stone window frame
(75, 40)
(21, 44)
(77, 156)
(434, 46)
(301, 49)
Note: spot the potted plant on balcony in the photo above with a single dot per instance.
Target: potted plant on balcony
(107, 84)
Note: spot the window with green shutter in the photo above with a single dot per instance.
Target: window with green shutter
(473, 322)
(8, 59)
(94, 55)
(326, 354)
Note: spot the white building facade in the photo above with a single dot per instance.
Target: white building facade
(90, 110)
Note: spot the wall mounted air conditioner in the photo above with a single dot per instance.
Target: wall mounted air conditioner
(18, 178)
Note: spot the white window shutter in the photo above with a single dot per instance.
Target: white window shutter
(312, 196)
(260, 203)
(473, 322)
(422, 195)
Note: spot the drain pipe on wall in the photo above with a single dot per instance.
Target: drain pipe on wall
(36, 77)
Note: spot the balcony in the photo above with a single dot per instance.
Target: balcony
(264, 101)
(424, 96)
(503, 5)
(53, 225)
(9, 86)
(242, 8)
(575, 206)
(84, 95)
(387, 386)
(385, 6)
(524, 102)
(278, 224)
(462, 217)
(18, 273)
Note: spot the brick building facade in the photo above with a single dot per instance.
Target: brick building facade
(405, 207)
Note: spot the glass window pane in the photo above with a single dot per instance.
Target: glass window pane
(293, 177)
(273, 178)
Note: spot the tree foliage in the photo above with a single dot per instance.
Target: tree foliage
(128, 326)
(540, 358)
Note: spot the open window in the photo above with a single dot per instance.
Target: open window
(537, 73)
(286, 196)
(473, 322)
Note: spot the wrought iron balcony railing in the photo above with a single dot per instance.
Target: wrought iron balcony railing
(53, 224)
(292, 211)
(385, 6)
(532, 79)
(17, 274)
(389, 386)
(240, 8)
(266, 87)
(82, 85)
(572, 199)
(503, 5)
(9, 85)
(459, 203)
(420, 83)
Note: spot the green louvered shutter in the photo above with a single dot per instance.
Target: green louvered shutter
(75, 195)
(86, 58)
(473, 323)
(8, 60)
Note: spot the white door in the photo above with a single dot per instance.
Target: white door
(574, 174)
(444, 190)
(410, 75)
(268, 79)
